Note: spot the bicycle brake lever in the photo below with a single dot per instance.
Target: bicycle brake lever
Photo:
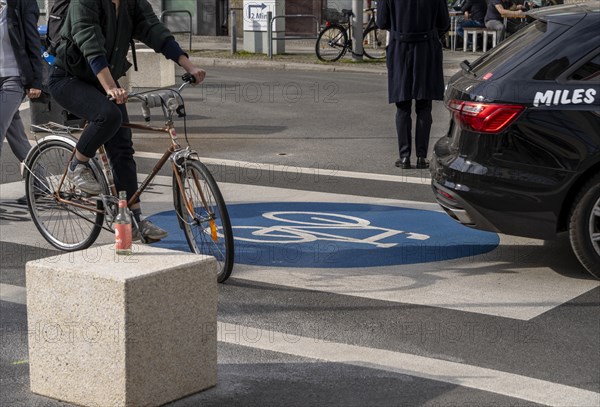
(180, 111)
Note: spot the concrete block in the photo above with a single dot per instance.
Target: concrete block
(107, 330)
(154, 71)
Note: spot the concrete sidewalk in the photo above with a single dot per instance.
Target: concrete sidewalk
(299, 55)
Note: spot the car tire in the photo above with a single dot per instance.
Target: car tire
(584, 222)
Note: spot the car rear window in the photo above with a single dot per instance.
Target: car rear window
(590, 71)
(522, 39)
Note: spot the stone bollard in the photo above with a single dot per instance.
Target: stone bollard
(111, 331)
(154, 71)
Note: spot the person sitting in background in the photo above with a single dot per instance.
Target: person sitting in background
(474, 11)
(496, 12)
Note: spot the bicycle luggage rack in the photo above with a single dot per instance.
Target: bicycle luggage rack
(271, 19)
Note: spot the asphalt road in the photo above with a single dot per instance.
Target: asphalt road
(368, 319)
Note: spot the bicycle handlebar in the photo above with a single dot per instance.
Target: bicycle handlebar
(162, 98)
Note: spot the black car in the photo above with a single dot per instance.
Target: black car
(522, 154)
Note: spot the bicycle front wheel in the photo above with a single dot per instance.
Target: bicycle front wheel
(65, 226)
(203, 216)
(375, 43)
(331, 43)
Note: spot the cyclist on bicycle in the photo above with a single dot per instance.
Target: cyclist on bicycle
(91, 57)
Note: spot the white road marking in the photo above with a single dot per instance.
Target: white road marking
(509, 282)
(460, 374)
(13, 293)
(295, 171)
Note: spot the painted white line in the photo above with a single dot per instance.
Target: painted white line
(13, 293)
(474, 377)
(295, 171)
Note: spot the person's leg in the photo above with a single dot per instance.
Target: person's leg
(119, 150)
(460, 31)
(403, 128)
(104, 120)
(17, 138)
(11, 96)
(423, 129)
(498, 26)
(90, 103)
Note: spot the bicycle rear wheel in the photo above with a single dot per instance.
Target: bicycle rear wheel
(331, 43)
(66, 227)
(203, 216)
(375, 43)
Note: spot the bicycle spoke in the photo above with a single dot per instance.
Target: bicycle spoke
(65, 226)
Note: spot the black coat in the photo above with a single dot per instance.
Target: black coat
(22, 17)
(414, 57)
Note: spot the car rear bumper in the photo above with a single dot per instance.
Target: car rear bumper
(478, 202)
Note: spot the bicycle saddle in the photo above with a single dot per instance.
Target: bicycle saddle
(347, 13)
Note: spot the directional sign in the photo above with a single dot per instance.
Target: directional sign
(339, 235)
(255, 14)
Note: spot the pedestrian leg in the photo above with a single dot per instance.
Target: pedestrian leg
(424, 120)
(17, 137)
(403, 128)
(11, 96)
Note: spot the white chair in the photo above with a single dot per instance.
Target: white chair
(493, 34)
(474, 31)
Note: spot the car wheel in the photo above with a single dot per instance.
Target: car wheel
(584, 226)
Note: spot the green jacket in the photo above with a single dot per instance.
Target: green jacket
(91, 29)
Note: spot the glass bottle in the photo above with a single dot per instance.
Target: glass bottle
(123, 226)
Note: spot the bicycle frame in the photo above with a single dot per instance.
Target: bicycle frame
(173, 149)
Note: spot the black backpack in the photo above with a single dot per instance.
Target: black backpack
(56, 19)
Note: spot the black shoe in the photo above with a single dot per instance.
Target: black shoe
(403, 163)
(422, 163)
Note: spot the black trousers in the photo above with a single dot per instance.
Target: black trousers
(104, 125)
(404, 127)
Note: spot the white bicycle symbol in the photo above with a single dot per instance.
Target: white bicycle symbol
(319, 226)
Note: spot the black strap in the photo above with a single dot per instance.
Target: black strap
(133, 55)
(414, 37)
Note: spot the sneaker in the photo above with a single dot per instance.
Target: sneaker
(84, 179)
(149, 230)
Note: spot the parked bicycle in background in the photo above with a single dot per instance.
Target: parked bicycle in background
(336, 38)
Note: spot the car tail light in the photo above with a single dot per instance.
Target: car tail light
(484, 117)
(445, 194)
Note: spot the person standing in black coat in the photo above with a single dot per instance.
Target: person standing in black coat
(415, 71)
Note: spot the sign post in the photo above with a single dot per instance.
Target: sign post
(256, 25)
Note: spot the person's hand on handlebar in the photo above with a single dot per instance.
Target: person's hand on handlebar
(119, 95)
(199, 74)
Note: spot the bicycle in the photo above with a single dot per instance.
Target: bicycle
(335, 39)
(71, 220)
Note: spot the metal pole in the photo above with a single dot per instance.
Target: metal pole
(357, 30)
(270, 33)
(233, 23)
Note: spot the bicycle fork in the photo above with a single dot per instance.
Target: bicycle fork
(188, 202)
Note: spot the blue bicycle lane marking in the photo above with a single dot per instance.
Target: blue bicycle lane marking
(339, 235)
